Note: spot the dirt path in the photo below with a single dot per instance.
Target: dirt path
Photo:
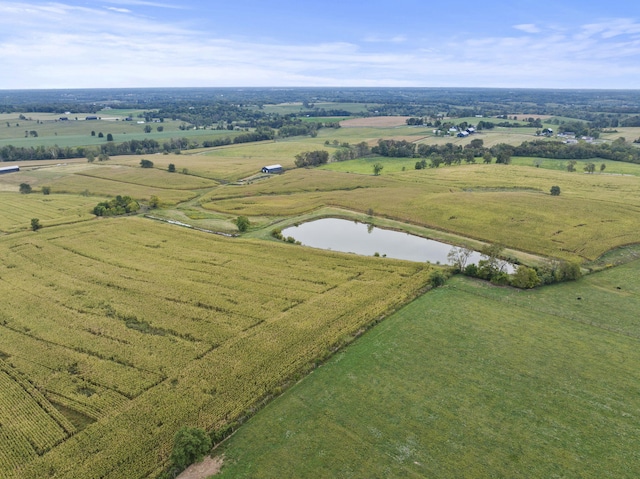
(208, 467)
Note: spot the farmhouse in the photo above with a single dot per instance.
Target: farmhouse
(9, 169)
(463, 134)
(272, 169)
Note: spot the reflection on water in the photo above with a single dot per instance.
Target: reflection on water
(365, 239)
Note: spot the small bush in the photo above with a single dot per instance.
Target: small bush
(191, 444)
(242, 222)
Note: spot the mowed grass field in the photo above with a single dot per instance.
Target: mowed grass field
(118, 331)
(468, 381)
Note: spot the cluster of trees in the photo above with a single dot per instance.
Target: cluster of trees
(299, 129)
(395, 148)
(119, 205)
(312, 158)
(618, 150)
(261, 133)
(493, 268)
(347, 151)
(447, 154)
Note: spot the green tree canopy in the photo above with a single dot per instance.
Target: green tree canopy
(190, 445)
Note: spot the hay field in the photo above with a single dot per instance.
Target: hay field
(129, 328)
(375, 122)
(108, 179)
(507, 204)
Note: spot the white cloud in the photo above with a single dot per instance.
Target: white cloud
(527, 27)
(119, 10)
(55, 45)
(144, 3)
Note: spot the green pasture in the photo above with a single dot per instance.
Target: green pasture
(468, 381)
(289, 108)
(611, 167)
(323, 119)
(78, 133)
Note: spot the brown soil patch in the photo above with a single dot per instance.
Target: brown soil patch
(375, 122)
(208, 467)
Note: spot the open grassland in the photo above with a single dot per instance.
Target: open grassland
(73, 132)
(468, 381)
(115, 333)
(297, 107)
(18, 210)
(611, 167)
(506, 204)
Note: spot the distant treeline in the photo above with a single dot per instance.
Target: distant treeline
(449, 153)
(146, 146)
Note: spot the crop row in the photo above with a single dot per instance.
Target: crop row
(339, 295)
(20, 413)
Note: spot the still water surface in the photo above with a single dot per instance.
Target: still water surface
(363, 239)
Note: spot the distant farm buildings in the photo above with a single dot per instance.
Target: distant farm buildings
(272, 169)
(91, 118)
(9, 169)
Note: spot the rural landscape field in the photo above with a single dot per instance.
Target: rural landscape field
(147, 286)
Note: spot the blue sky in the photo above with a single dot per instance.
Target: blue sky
(169, 43)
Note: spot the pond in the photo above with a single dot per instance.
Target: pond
(365, 239)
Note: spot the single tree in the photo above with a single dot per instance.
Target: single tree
(100, 135)
(160, 128)
(25, 188)
(154, 202)
(555, 191)
(91, 157)
(147, 129)
(571, 166)
(93, 133)
(602, 167)
(46, 190)
(377, 168)
(590, 168)
(190, 445)
(103, 157)
(109, 137)
(487, 158)
(35, 224)
(171, 168)
(459, 257)
(503, 157)
(146, 163)
(242, 222)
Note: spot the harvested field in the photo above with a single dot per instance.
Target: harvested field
(375, 122)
